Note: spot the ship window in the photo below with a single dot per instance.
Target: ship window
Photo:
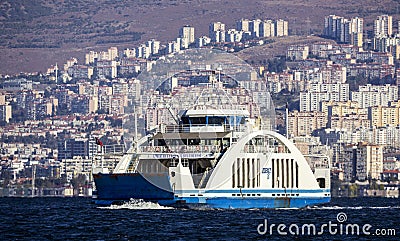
(234, 169)
(185, 120)
(291, 173)
(253, 175)
(321, 182)
(248, 172)
(174, 162)
(243, 172)
(216, 120)
(287, 173)
(282, 184)
(238, 167)
(277, 173)
(197, 120)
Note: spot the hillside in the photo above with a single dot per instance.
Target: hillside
(35, 34)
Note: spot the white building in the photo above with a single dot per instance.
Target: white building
(187, 33)
(383, 26)
(372, 95)
(217, 32)
(317, 93)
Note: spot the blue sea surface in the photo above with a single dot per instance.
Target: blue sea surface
(80, 219)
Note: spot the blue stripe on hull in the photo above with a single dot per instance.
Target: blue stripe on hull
(246, 203)
(265, 202)
(126, 186)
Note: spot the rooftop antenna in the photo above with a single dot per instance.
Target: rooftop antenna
(56, 73)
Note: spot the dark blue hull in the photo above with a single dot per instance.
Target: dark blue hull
(120, 187)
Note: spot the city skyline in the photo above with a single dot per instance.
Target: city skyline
(331, 106)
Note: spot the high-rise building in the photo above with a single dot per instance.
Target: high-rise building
(281, 28)
(371, 95)
(351, 31)
(186, 33)
(304, 123)
(112, 53)
(383, 26)
(362, 162)
(243, 25)
(68, 148)
(318, 93)
(5, 113)
(381, 116)
(333, 26)
(267, 28)
(254, 28)
(398, 82)
(2, 98)
(398, 27)
(217, 32)
(153, 46)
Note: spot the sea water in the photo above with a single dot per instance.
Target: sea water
(80, 219)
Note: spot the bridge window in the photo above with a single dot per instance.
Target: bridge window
(216, 120)
(287, 173)
(197, 120)
(291, 173)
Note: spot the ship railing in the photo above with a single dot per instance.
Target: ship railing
(264, 149)
(113, 149)
(181, 149)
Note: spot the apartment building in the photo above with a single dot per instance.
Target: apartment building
(217, 32)
(363, 161)
(317, 93)
(304, 123)
(281, 28)
(381, 116)
(297, 52)
(375, 95)
(5, 113)
(383, 26)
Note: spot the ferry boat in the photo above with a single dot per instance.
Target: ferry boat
(216, 155)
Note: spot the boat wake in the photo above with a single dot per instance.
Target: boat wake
(136, 204)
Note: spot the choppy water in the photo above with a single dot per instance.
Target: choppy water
(80, 219)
